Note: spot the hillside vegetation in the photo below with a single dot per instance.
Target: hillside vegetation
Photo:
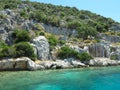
(84, 22)
(68, 17)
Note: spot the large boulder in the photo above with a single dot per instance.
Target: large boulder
(13, 64)
(103, 62)
(42, 47)
(56, 64)
(78, 64)
(33, 66)
(23, 63)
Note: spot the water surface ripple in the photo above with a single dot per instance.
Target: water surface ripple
(100, 78)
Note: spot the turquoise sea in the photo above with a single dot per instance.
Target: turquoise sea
(100, 78)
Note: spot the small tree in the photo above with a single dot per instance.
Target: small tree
(67, 52)
(84, 56)
(7, 51)
(52, 41)
(84, 31)
(24, 49)
(21, 36)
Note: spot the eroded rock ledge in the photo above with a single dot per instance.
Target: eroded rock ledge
(25, 63)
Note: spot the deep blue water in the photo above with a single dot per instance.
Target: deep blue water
(100, 78)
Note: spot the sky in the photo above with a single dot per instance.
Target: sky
(107, 8)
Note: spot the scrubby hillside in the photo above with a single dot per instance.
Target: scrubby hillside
(22, 22)
(69, 17)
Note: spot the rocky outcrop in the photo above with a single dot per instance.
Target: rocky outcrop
(25, 63)
(115, 52)
(9, 21)
(11, 64)
(59, 30)
(110, 38)
(33, 66)
(41, 46)
(59, 64)
(103, 62)
(115, 27)
(77, 48)
(99, 50)
(19, 64)
(77, 64)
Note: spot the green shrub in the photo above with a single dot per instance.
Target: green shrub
(24, 14)
(113, 57)
(96, 40)
(67, 52)
(111, 33)
(21, 36)
(42, 34)
(118, 33)
(75, 39)
(7, 51)
(2, 44)
(112, 49)
(24, 49)
(52, 41)
(84, 31)
(84, 56)
(10, 6)
(61, 42)
(87, 41)
(39, 27)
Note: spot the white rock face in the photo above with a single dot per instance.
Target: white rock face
(103, 62)
(110, 38)
(13, 64)
(42, 47)
(56, 64)
(23, 63)
(61, 64)
(33, 66)
(99, 50)
(60, 31)
(78, 64)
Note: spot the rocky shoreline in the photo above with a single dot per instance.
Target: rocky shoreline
(25, 63)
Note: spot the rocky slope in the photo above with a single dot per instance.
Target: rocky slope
(104, 43)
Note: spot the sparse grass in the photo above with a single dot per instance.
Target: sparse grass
(115, 44)
(113, 33)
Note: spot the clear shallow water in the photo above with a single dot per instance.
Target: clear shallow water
(103, 78)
